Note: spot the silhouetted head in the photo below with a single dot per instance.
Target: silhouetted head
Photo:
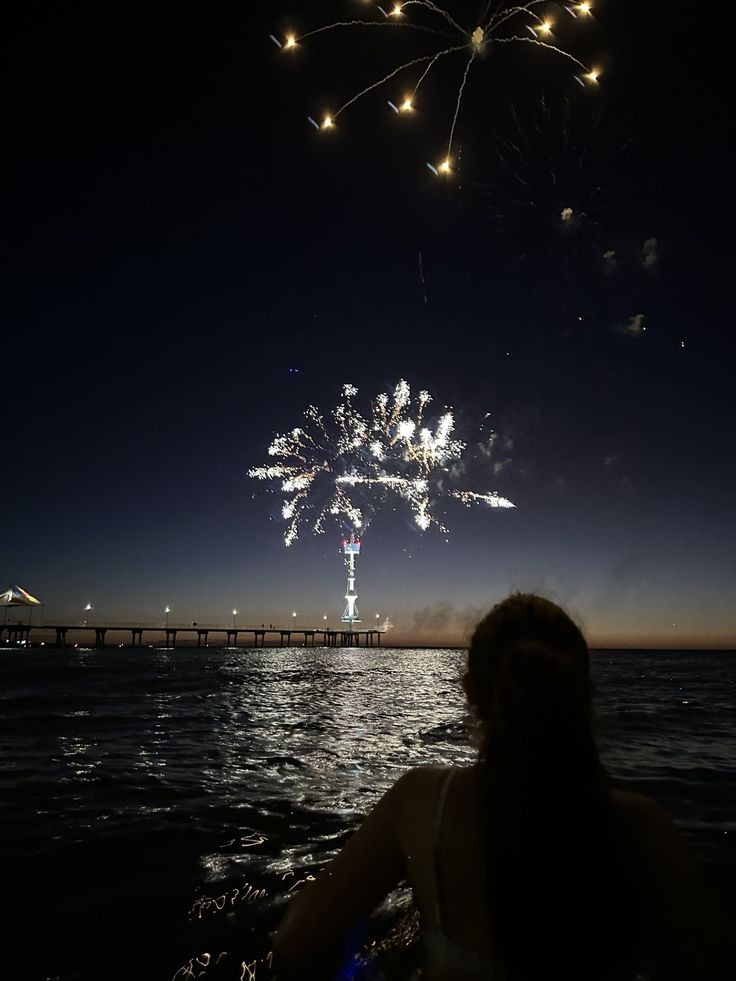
(528, 679)
(556, 885)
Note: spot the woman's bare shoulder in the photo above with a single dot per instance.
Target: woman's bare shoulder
(635, 806)
(416, 792)
(428, 777)
(664, 856)
(685, 918)
(632, 801)
(420, 780)
(642, 816)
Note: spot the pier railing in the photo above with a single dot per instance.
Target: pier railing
(110, 634)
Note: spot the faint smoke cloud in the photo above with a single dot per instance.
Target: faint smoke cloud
(493, 449)
(435, 617)
(494, 445)
(442, 615)
(486, 449)
(609, 259)
(635, 326)
(469, 618)
(650, 253)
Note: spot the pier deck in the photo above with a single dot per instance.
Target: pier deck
(104, 635)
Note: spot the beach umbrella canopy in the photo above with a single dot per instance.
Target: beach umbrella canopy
(16, 596)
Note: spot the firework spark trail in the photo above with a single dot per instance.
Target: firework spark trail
(566, 192)
(386, 78)
(422, 280)
(549, 47)
(457, 106)
(394, 452)
(426, 72)
(437, 10)
(500, 26)
(292, 41)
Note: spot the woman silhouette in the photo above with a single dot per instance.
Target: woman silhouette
(529, 866)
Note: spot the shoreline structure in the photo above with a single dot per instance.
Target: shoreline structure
(27, 635)
(18, 637)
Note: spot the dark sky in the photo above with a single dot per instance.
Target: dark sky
(178, 239)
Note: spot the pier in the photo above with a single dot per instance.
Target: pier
(131, 635)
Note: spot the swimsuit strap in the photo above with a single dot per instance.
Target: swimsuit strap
(438, 815)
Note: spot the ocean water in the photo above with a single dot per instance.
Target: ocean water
(158, 807)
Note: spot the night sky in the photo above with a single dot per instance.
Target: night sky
(188, 264)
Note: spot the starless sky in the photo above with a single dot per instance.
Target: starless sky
(179, 241)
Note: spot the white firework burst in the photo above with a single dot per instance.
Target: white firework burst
(344, 465)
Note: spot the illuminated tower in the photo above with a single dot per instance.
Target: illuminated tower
(351, 549)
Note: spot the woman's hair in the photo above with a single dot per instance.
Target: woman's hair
(557, 885)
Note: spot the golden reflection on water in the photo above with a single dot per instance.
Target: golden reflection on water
(196, 967)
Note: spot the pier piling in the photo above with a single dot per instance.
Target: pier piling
(17, 634)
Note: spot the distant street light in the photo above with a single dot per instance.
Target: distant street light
(235, 613)
(166, 615)
(88, 608)
(293, 620)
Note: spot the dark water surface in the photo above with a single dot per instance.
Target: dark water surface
(157, 805)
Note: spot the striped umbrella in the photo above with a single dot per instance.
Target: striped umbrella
(17, 596)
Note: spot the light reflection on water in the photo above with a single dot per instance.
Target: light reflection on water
(334, 734)
(199, 772)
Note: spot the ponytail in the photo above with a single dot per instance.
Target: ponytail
(540, 732)
(547, 796)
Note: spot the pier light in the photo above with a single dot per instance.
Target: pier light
(235, 613)
(87, 609)
(166, 615)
